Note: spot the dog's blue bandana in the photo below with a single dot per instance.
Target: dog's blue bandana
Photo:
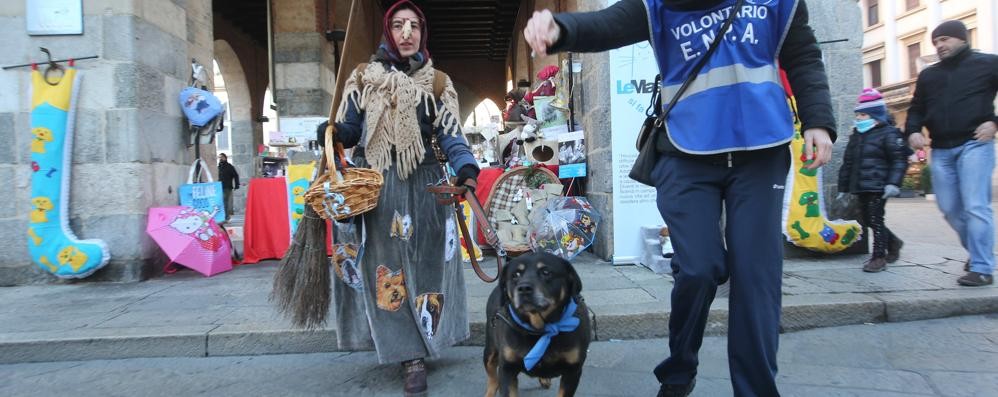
(567, 323)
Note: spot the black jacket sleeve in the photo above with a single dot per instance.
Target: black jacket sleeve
(994, 82)
(801, 58)
(235, 176)
(897, 156)
(916, 112)
(845, 171)
(348, 132)
(621, 24)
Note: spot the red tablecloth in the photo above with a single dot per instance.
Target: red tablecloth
(266, 234)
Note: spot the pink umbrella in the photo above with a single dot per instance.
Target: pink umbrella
(191, 238)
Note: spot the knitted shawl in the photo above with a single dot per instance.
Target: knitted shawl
(390, 99)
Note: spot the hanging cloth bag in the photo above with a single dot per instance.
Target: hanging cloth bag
(200, 106)
(203, 196)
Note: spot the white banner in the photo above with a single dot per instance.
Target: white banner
(632, 77)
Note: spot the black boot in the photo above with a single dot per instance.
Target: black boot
(415, 377)
(667, 390)
(894, 250)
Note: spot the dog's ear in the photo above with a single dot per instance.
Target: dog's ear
(573, 277)
(503, 277)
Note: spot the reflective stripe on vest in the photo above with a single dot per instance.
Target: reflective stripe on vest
(737, 102)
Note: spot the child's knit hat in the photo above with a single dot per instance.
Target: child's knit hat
(872, 103)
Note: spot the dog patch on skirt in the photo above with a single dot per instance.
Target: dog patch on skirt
(391, 288)
(429, 306)
(345, 264)
(450, 239)
(402, 227)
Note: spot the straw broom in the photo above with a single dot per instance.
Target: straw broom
(301, 289)
(302, 283)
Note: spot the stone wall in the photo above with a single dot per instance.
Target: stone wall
(833, 21)
(129, 152)
(303, 75)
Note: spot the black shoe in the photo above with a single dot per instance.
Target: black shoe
(966, 265)
(894, 250)
(875, 265)
(975, 279)
(667, 390)
(415, 377)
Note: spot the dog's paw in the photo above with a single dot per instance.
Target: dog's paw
(545, 382)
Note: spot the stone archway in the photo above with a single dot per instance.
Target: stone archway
(241, 115)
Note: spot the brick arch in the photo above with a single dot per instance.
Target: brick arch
(240, 113)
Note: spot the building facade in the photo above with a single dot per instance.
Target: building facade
(897, 42)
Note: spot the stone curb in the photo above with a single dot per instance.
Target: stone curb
(800, 312)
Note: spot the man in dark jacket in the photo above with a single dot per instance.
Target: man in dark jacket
(726, 145)
(230, 180)
(954, 101)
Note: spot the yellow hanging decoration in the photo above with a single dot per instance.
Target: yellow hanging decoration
(805, 222)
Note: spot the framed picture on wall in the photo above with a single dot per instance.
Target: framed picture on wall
(54, 17)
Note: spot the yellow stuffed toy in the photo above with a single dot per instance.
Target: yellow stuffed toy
(805, 222)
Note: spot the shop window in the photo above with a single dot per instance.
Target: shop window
(872, 12)
(875, 78)
(914, 52)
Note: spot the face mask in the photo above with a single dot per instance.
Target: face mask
(865, 125)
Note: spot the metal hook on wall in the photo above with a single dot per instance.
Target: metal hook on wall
(52, 66)
(52, 63)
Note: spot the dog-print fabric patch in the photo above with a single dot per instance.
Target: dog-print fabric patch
(450, 239)
(346, 266)
(429, 306)
(402, 227)
(391, 288)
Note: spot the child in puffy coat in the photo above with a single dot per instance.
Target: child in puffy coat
(872, 168)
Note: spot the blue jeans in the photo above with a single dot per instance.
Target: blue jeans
(961, 179)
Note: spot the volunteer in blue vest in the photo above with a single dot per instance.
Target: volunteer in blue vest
(727, 145)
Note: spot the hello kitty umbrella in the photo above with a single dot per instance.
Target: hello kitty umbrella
(191, 238)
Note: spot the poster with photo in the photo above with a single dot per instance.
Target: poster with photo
(572, 154)
(552, 120)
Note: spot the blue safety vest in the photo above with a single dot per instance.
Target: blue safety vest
(737, 101)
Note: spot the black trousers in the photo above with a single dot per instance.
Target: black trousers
(872, 204)
(690, 194)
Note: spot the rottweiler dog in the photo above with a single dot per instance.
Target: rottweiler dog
(536, 288)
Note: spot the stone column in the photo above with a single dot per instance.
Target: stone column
(592, 104)
(130, 149)
(245, 129)
(304, 78)
(836, 20)
(892, 56)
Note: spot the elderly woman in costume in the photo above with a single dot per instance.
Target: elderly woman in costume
(411, 300)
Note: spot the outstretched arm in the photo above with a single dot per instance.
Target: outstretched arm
(623, 23)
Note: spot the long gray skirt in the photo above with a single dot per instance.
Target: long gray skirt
(405, 296)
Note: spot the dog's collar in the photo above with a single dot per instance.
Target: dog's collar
(567, 323)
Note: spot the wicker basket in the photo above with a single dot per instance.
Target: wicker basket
(505, 186)
(340, 194)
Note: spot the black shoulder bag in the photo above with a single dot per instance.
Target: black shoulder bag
(655, 121)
